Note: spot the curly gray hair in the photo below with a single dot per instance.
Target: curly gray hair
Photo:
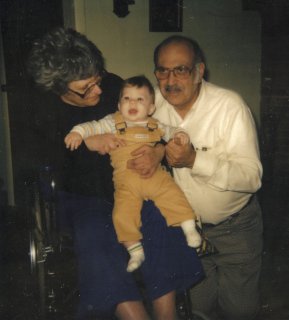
(62, 56)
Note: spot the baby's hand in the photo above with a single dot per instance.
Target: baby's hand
(73, 140)
(104, 143)
(181, 138)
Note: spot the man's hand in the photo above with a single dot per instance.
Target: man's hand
(73, 140)
(146, 160)
(103, 143)
(180, 155)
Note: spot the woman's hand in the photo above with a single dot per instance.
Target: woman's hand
(146, 160)
(103, 143)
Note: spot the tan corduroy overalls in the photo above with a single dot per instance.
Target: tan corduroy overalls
(131, 190)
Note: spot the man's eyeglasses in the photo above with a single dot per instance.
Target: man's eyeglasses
(180, 72)
(87, 91)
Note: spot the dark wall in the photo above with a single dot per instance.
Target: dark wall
(275, 90)
(275, 93)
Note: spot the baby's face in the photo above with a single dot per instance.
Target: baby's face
(136, 104)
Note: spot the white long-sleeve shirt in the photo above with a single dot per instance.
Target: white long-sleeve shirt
(107, 125)
(227, 168)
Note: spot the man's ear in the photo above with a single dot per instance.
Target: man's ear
(199, 72)
(152, 109)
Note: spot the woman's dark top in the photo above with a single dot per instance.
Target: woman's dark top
(80, 171)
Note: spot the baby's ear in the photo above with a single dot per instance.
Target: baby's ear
(118, 106)
(152, 109)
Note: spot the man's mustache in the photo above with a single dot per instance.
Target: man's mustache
(174, 88)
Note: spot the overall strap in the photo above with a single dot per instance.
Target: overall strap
(120, 124)
(152, 124)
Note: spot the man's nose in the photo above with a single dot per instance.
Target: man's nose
(171, 77)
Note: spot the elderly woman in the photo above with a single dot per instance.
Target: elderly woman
(70, 68)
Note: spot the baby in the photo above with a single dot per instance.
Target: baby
(133, 124)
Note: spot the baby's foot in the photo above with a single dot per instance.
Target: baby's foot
(136, 256)
(193, 239)
(134, 263)
(192, 235)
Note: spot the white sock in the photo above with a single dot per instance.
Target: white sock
(192, 235)
(136, 256)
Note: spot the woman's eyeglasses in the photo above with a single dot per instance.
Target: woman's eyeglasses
(87, 91)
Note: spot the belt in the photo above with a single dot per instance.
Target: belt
(232, 216)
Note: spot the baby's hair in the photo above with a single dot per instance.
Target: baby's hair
(139, 82)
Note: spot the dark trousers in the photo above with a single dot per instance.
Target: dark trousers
(231, 286)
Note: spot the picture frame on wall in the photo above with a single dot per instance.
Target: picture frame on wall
(166, 15)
